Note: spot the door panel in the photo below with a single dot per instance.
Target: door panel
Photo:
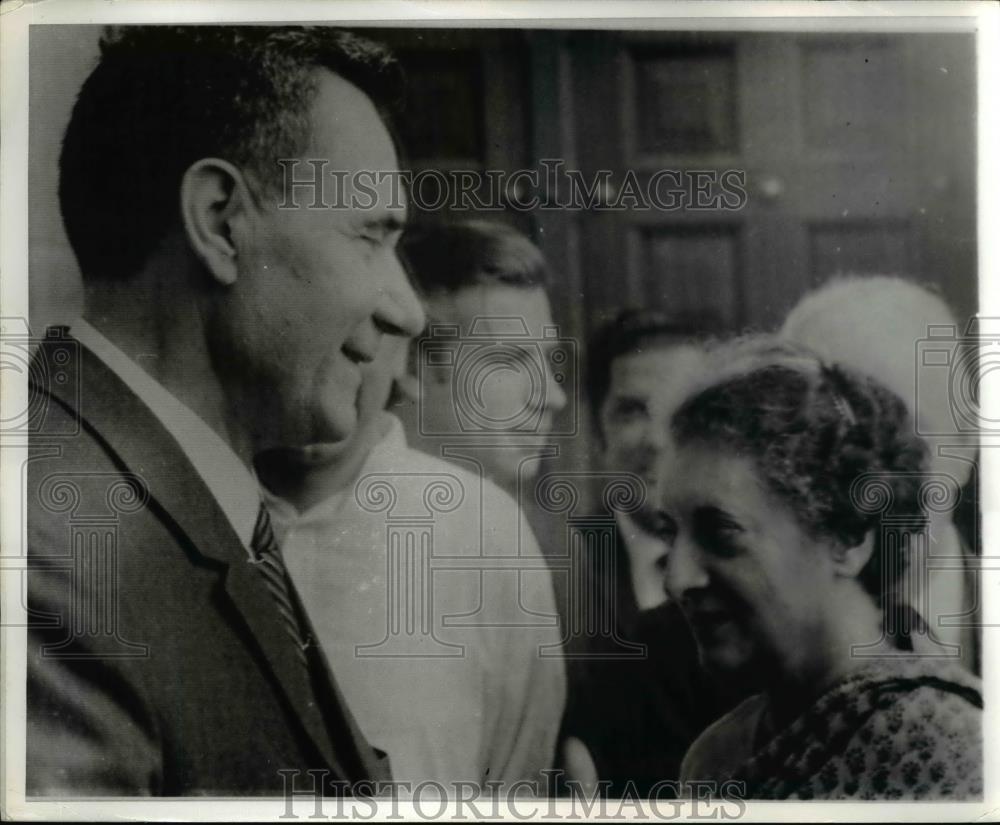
(832, 132)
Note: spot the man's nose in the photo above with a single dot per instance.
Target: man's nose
(683, 571)
(399, 310)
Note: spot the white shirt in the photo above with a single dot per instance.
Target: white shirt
(230, 481)
(467, 697)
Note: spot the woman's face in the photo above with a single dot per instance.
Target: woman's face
(751, 581)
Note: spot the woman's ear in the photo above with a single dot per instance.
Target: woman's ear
(214, 196)
(849, 561)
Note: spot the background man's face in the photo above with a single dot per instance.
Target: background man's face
(318, 287)
(526, 391)
(645, 389)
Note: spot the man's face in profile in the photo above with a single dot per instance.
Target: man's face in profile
(646, 387)
(511, 383)
(318, 287)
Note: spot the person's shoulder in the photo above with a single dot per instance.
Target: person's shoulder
(944, 700)
(925, 734)
(471, 482)
(473, 485)
(946, 681)
(469, 500)
(393, 452)
(725, 744)
(420, 461)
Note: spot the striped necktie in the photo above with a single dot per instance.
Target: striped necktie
(267, 558)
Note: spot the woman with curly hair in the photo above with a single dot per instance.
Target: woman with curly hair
(795, 492)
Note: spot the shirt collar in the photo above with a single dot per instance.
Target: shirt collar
(230, 481)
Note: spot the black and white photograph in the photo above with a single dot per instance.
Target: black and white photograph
(497, 415)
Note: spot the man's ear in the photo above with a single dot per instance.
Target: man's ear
(850, 561)
(214, 195)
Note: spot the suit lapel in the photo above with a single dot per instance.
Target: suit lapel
(248, 592)
(132, 432)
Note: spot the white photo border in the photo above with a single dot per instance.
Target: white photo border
(15, 20)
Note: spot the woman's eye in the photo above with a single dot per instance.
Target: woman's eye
(718, 534)
(722, 545)
(727, 528)
(628, 409)
(664, 527)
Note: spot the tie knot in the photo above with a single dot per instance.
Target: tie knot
(267, 559)
(263, 542)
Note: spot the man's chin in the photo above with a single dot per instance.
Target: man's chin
(333, 424)
(313, 442)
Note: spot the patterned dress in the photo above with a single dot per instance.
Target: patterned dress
(897, 729)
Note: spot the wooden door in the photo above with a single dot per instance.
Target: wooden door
(464, 112)
(857, 152)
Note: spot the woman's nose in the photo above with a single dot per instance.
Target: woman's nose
(683, 571)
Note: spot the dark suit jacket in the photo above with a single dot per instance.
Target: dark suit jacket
(157, 660)
(638, 716)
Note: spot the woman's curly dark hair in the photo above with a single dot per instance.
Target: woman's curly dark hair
(834, 445)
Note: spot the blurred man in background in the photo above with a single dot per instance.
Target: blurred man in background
(635, 718)
(639, 367)
(484, 290)
(878, 325)
(491, 374)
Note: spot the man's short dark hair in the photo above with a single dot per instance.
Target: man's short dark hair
(448, 257)
(163, 97)
(631, 331)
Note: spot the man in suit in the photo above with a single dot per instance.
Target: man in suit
(226, 313)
